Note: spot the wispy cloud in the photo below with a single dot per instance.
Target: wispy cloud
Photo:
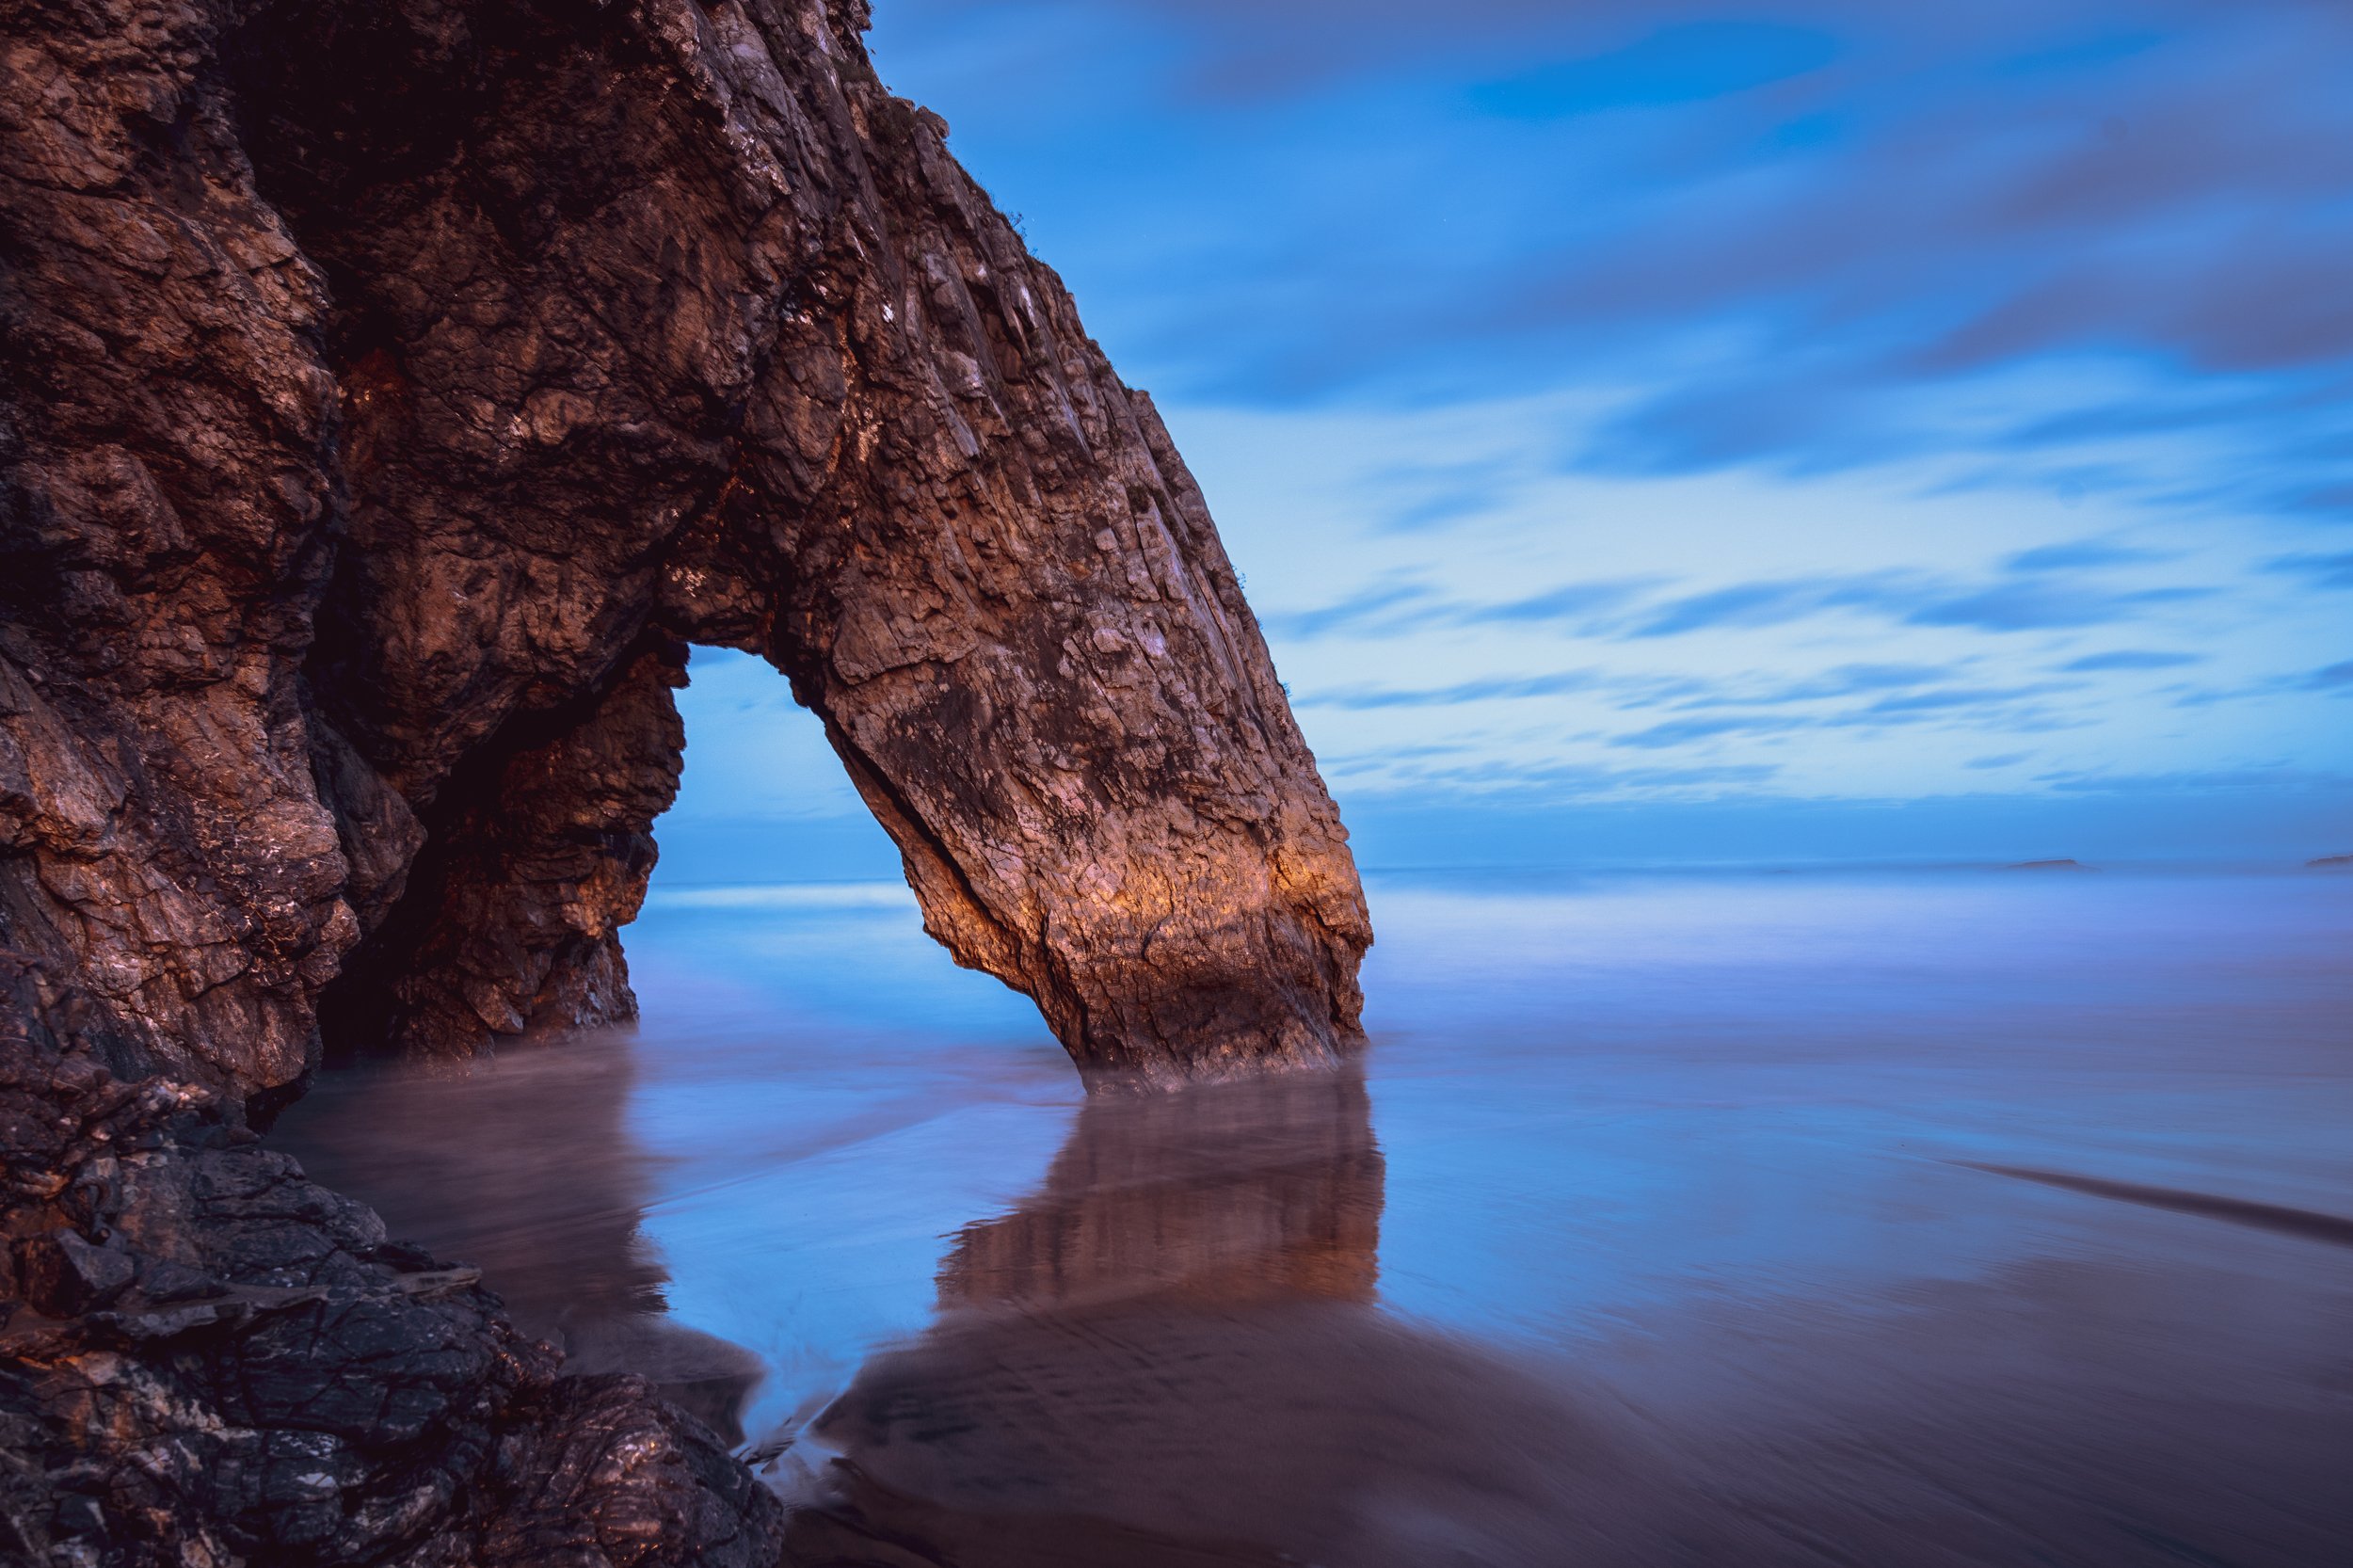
(1768, 603)
(1950, 698)
(1570, 603)
(1842, 680)
(2009, 707)
(1675, 732)
(2130, 659)
(1683, 63)
(1365, 697)
(1397, 608)
(2328, 501)
(2040, 605)
(1387, 606)
(1416, 497)
(2080, 553)
(2042, 599)
(2321, 571)
(2039, 602)
(1633, 692)
(1554, 780)
(2333, 677)
(2280, 776)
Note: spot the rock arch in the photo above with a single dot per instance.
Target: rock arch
(431, 373)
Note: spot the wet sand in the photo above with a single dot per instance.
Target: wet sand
(1938, 1218)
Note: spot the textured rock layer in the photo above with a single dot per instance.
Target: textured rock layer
(389, 390)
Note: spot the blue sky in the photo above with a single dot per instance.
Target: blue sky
(1652, 410)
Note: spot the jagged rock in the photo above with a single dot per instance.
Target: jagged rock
(389, 391)
(213, 1354)
(60, 1274)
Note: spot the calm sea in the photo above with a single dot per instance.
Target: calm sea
(1931, 1217)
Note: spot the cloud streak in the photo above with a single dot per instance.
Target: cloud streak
(1501, 688)
(1394, 609)
(2044, 601)
(2320, 572)
(2008, 707)
(2130, 659)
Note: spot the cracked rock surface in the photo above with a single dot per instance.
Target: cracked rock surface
(390, 391)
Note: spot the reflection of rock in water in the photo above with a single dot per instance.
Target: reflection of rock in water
(1268, 1190)
(525, 1167)
(1170, 1356)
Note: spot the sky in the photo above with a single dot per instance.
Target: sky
(1803, 429)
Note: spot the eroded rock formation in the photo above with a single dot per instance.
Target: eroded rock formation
(389, 391)
(395, 386)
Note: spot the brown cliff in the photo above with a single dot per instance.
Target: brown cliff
(387, 393)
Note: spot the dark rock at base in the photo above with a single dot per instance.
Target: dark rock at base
(2049, 866)
(2331, 862)
(243, 1367)
(608, 1474)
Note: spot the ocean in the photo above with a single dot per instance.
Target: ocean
(1956, 1216)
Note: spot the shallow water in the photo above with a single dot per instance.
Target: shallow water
(1928, 1218)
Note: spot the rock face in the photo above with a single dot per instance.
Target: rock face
(389, 390)
(393, 388)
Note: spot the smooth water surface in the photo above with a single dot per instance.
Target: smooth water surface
(1965, 1217)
